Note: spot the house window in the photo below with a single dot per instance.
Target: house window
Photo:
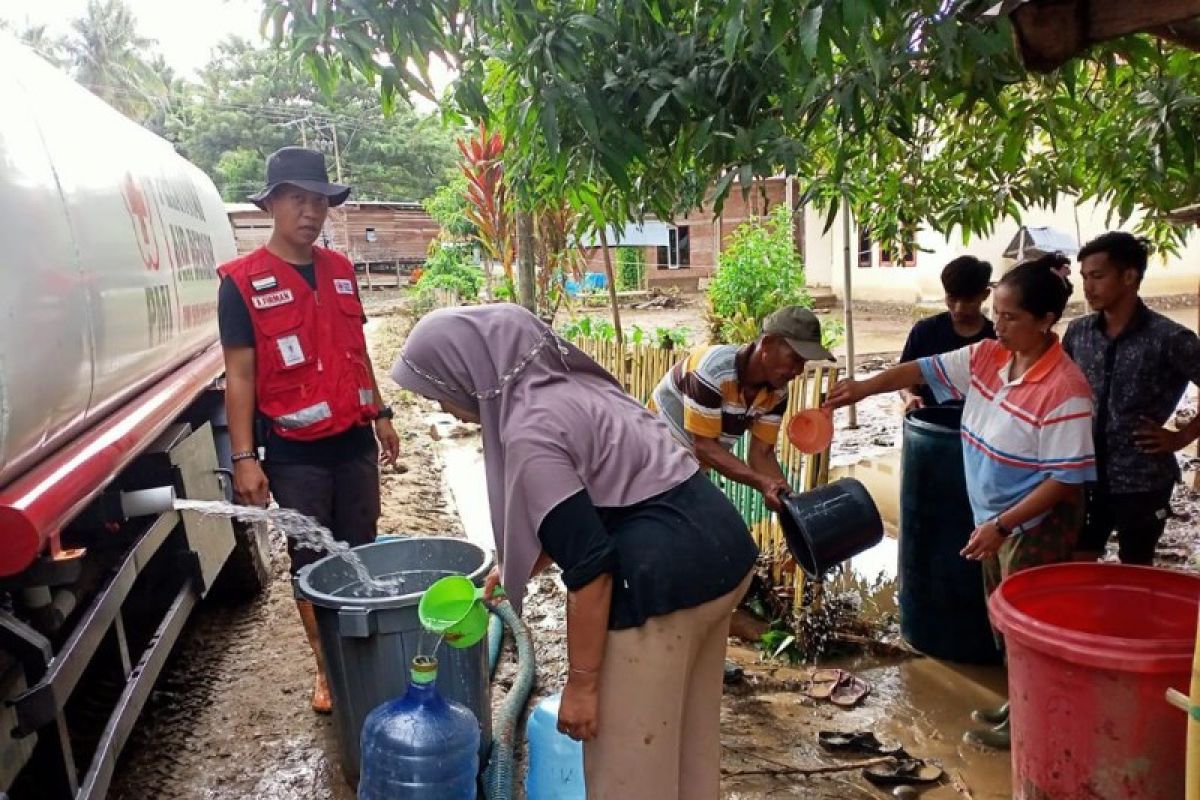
(865, 246)
(371, 234)
(887, 258)
(678, 250)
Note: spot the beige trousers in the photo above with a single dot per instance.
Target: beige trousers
(660, 707)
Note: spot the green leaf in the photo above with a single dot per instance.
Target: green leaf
(810, 31)
(854, 13)
(656, 107)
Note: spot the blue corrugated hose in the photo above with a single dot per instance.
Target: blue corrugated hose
(495, 636)
(498, 777)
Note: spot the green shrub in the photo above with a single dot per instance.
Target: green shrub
(759, 271)
(631, 268)
(588, 328)
(450, 266)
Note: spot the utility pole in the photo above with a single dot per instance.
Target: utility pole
(303, 134)
(337, 165)
(337, 153)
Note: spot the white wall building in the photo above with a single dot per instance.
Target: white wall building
(880, 277)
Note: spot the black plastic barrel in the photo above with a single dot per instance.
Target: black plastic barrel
(830, 524)
(942, 608)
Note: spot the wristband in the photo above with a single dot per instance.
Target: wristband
(1000, 528)
(245, 455)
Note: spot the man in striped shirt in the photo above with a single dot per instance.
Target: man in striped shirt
(712, 397)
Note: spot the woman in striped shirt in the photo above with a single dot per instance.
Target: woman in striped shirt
(1026, 431)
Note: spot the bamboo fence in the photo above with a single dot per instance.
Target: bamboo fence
(641, 367)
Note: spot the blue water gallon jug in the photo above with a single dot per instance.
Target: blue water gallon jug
(555, 760)
(420, 746)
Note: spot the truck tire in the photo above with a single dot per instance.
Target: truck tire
(248, 571)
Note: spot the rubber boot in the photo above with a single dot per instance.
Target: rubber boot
(997, 738)
(321, 702)
(991, 716)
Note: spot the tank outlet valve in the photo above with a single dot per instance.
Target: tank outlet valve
(148, 502)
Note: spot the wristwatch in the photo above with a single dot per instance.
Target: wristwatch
(386, 413)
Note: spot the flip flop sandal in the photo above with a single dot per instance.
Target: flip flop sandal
(905, 770)
(823, 682)
(860, 742)
(849, 690)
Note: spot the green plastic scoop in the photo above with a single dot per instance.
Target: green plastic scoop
(453, 608)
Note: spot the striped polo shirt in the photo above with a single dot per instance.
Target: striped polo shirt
(1016, 433)
(702, 396)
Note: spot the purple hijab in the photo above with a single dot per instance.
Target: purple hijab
(554, 422)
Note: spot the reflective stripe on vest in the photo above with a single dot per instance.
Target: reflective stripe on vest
(305, 416)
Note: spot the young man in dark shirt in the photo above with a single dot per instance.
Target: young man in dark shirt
(965, 280)
(1138, 363)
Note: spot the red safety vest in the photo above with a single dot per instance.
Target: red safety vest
(312, 375)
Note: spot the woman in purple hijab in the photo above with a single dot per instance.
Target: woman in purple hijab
(653, 556)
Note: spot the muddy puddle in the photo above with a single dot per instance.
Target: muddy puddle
(922, 704)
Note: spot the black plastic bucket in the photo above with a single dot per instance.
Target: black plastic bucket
(830, 524)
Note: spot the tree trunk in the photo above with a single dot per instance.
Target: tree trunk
(616, 311)
(526, 269)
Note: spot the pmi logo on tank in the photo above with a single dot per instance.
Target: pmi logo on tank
(143, 213)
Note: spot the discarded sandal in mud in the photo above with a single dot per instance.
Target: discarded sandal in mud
(837, 686)
(991, 716)
(997, 738)
(822, 682)
(903, 771)
(860, 742)
(849, 691)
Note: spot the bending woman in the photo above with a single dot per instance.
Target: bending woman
(1026, 432)
(654, 557)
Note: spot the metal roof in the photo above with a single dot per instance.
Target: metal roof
(1040, 240)
(651, 233)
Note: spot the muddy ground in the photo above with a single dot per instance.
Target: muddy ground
(230, 718)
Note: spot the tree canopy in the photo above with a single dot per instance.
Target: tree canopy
(247, 102)
(916, 111)
(250, 101)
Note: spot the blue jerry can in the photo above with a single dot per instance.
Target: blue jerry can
(555, 760)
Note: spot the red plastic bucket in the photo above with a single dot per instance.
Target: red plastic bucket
(1092, 649)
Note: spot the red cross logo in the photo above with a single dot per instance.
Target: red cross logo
(142, 216)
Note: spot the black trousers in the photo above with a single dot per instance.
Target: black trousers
(343, 497)
(1138, 518)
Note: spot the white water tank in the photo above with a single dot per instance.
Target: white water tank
(109, 243)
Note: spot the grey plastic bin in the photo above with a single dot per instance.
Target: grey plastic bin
(369, 643)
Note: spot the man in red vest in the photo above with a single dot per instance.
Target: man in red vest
(296, 364)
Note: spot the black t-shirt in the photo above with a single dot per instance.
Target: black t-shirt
(237, 330)
(683, 548)
(936, 335)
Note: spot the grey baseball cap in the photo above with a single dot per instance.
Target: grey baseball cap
(802, 330)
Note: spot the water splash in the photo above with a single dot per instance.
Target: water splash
(307, 534)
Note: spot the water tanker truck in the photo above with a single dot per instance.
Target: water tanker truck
(110, 405)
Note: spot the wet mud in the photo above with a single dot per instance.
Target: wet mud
(230, 718)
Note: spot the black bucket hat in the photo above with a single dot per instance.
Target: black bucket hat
(301, 167)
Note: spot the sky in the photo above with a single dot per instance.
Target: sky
(186, 30)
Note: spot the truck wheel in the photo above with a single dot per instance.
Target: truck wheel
(248, 571)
